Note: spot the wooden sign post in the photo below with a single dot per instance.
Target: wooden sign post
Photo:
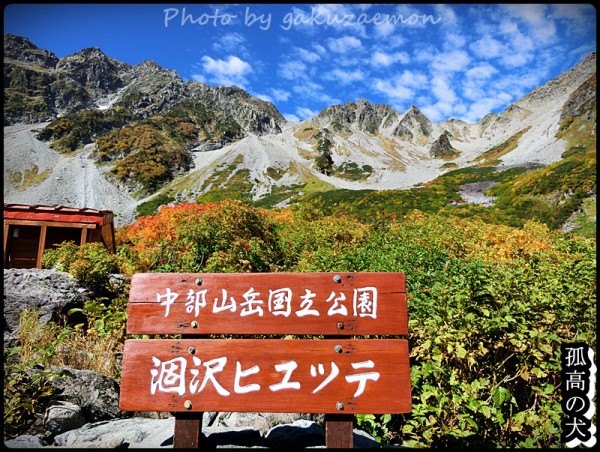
(335, 373)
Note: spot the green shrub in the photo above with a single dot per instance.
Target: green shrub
(91, 264)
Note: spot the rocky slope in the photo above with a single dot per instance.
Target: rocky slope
(217, 141)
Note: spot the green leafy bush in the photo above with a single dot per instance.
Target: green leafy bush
(91, 264)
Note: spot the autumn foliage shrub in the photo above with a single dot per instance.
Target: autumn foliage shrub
(222, 237)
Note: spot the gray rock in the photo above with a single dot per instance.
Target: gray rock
(236, 436)
(363, 440)
(121, 433)
(62, 417)
(96, 394)
(48, 291)
(26, 442)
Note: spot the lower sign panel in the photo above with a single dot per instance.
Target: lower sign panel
(266, 375)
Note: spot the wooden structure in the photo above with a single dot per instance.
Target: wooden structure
(31, 229)
(335, 372)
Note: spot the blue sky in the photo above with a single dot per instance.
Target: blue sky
(450, 60)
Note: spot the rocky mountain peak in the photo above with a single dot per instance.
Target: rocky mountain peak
(362, 114)
(17, 48)
(414, 125)
(581, 100)
(89, 71)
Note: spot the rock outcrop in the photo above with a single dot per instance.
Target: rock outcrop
(441, 148)
(50, 292)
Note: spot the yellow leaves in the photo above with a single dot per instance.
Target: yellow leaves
(416, 216)
(503, 243)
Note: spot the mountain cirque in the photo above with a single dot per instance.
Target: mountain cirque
(225, 138)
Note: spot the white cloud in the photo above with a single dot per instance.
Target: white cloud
(447, 14)
(519, 83)
(534, 17)
(319, 49)
(401, 87)
(482, 107)
(280, 94)
(314, 92)
(380, 58)
(440, 88)
(573, 14)
(487, 47)
(473, 91)
(229, 42)
(309, 57)
(456, 60)
(383, 30)
(454, 41)
(264, 97)
(292, 69)
(513, 60)
(305, 113)
(231, 71)
(483, 71)
(393, 90)
(344, 44)
(344, 77)
(291, 117)
(414, 79)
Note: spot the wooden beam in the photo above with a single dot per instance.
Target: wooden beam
(41, 246)
(58, 224)
(339, 431)
(83, 236)
(188, 431)
(6, 228)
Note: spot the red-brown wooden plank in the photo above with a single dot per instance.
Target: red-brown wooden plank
(339, 431)
(158, 303)
(316, 360)
(187, 433)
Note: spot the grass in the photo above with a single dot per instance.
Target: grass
(491, 156)
(57, 345)
(29, 178)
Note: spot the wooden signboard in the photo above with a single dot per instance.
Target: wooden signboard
(267, 375)
(268, 303)
(335, 372)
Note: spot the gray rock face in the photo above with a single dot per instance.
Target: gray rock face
(21, 49)
(413, 125)
(96, 394)
(49, 291)
(63, 417)
(96, 73)
(137, 432)
(364, 115)
(582, 100)
(442, 147)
